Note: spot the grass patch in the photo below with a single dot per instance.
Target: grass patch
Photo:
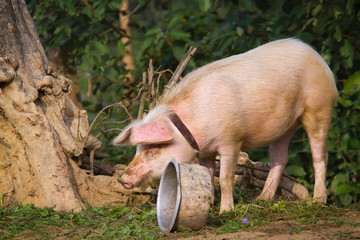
(261, 213)
(91, 223)
(29, 222)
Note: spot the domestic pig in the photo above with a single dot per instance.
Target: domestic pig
(258, 98)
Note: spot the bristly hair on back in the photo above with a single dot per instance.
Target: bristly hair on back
(160, 111)
(186, 86)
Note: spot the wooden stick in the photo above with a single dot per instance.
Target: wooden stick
(142, 97)
(92, 153)
(180, 68)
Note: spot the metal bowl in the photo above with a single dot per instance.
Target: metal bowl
(184, 197)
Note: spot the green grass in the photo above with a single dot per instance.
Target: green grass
(91, 223)
(29, 222)
(261, 212)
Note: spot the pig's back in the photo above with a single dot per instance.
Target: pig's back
(258, 94)
(281, 63)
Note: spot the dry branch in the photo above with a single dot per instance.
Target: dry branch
(180, 68)
(85, 141)
(142, 96)
(149, 92)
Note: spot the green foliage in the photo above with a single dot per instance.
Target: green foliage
(163, 30)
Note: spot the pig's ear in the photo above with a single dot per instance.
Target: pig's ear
(124, 136)
(151, 133)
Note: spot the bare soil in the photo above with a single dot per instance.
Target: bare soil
(346, 225)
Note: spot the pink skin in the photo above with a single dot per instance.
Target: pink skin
(254, 99)
(127, 185)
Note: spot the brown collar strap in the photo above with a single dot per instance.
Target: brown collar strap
(183, 130)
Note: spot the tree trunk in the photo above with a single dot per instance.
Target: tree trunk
(59, 61)
(41, 130)
(128, 60)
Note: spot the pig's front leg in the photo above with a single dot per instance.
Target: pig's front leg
(209, 162)
(228, 158)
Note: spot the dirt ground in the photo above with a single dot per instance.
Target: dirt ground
(346, 226)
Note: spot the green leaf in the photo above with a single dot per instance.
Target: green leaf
(338, 179)
(295, 170)
(96, 61)
(345, 102)
(343, 188)
(354, 143)
(179, 53)
(316, 10)
(347, 51)
(68, 31)
(153, 31)
(349, 6)
(346, 200)
(144, 46)
(173, 21)
(115, 5)
(87, 12)
(337, 34)
(248, 4)
(307, 37)
(204, 5)
(352, 84)
(58, 29)
(100, 12)
(120, 48)
(331, 144)
(226, 43)
(101, 48)
(179, 35)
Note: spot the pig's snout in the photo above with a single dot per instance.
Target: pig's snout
(126, 185)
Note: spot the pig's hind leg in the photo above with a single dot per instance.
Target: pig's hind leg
(317, 124)
(278, 160)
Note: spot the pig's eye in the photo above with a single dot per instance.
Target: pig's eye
(154, 146)
(153, 149)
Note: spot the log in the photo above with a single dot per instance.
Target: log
(249, 174)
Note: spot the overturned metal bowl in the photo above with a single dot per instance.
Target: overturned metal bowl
(184, 197)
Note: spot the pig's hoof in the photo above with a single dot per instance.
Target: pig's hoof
(267, 196)
(223, 211)
(226, 209)
(264, 198)
(321, 200)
